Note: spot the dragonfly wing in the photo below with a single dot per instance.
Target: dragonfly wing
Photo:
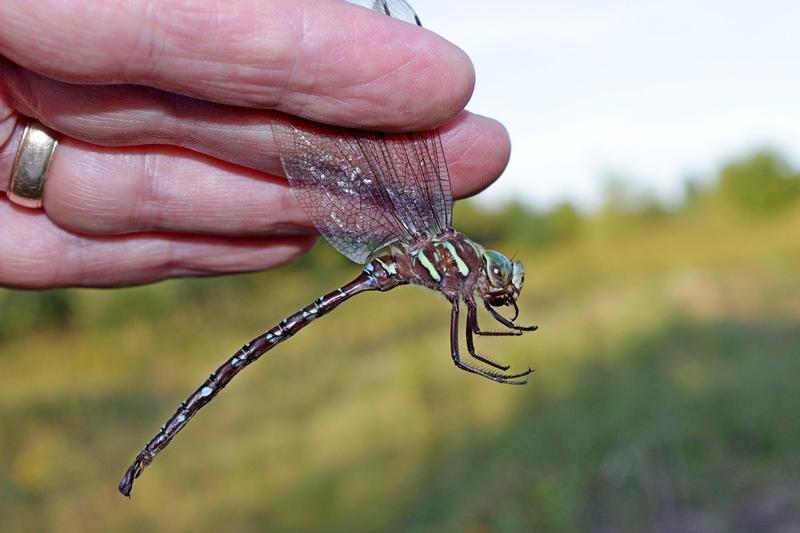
(394, 8)
(366, 190)
(411, 169)
(417, 181)
(336, 187)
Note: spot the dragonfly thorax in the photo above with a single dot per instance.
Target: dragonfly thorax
(454, 265)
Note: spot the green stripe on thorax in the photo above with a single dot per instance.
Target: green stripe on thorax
(423, 259)
(462, 266)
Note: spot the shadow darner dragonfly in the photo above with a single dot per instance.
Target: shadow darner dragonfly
(383, 200)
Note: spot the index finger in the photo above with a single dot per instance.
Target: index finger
(327, 61)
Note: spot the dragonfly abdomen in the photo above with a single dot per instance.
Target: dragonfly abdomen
(246, 355)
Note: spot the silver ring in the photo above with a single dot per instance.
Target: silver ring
(31, 163)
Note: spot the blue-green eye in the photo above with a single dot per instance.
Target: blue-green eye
(498, 268)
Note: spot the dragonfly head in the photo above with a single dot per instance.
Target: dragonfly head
(504, 279)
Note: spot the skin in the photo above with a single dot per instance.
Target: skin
(166, 165)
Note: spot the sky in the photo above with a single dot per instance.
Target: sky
(651, 92)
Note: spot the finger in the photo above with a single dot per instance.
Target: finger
(327, 61)
(38, 254)
(110, 191)
(98, 190)
(477, 148)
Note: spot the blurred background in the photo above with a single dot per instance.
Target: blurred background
(654, 198)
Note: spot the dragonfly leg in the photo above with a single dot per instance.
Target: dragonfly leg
(472, 325)
(488, 374)
(506, 322)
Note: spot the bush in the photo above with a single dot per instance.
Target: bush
(761, 183)
(25, 312)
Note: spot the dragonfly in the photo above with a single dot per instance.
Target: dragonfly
(382, 200)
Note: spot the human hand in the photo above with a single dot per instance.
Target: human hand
(165, 165)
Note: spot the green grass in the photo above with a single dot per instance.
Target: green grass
(665, 396)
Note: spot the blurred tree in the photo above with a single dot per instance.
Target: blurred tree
(565, 222)
(517, 223)
(25, 311)
(760, 183)
(696, 191)
(481, 224)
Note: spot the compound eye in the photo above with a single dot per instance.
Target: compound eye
(498, 268)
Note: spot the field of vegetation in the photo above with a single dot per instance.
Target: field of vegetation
(665, 397)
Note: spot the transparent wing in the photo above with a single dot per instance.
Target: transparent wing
(394, 8)
(365, 190)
